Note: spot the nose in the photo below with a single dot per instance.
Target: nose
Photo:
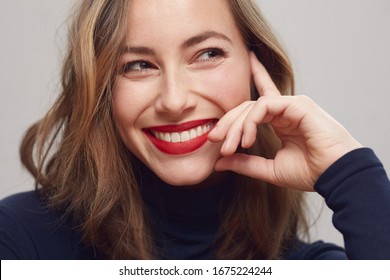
(175, 97)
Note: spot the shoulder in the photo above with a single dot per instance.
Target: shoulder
(30, 230)
(25, 208)
(21, 202)
(316, 251)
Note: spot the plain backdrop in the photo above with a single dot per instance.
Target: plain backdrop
(340, 50)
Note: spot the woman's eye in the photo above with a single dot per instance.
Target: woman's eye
(137, 66)
(211, 54)
(138, 69)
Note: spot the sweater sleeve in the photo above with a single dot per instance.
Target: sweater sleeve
(357, 189)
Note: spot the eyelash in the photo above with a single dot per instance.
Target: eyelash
(217, 52)
(126, 66)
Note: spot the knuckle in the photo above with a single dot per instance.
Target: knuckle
(305, 100)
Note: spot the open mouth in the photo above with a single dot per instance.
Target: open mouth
(181, 138)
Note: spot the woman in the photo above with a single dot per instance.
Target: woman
(162, 100)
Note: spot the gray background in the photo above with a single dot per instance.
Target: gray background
(339, 49)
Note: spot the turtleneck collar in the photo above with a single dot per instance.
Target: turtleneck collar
(185, 220)
(187, 202)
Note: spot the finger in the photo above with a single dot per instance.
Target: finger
(234, 134)
(262, 79)
(249, 165)
(219, 132)
(281, 112)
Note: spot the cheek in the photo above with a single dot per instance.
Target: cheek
(127, 104)
(227, 88)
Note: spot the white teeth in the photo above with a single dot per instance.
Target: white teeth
(176, 137)
(199, 131)
(167, 137)
(184, 136)
(193, 134)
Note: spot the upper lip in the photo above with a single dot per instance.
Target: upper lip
(179, 127)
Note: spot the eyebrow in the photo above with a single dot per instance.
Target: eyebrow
(139, 50)
(197, 39)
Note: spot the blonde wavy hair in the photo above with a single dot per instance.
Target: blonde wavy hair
(80, 163)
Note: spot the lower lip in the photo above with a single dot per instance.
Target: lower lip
(179, 148)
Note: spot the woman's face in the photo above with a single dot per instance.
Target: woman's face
(184, 66)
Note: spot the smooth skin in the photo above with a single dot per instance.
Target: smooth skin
(311, 139)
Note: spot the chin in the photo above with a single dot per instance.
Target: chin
(185, 180)
(185, 177)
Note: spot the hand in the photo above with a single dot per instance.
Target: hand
(311, 139)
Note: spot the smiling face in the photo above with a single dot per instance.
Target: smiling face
(184, 66)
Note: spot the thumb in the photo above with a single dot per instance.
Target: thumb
(248, 165)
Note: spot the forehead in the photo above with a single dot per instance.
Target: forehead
(174, 20)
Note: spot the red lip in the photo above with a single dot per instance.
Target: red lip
(179, 148)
